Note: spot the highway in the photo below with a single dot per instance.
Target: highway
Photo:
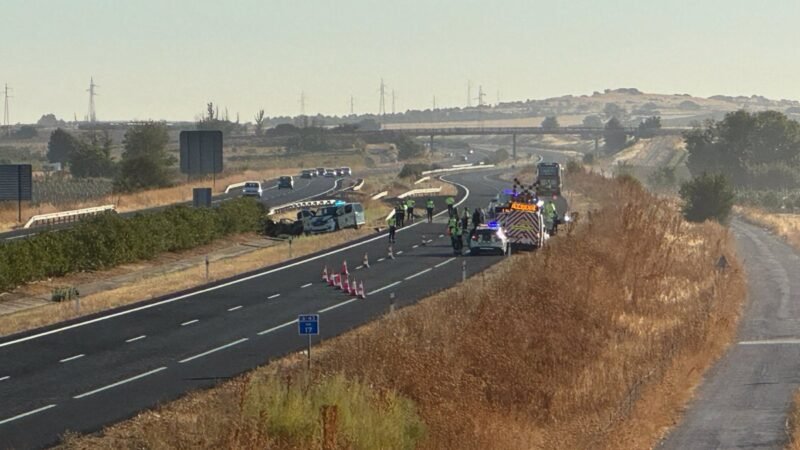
(91, 372)
(304, 188)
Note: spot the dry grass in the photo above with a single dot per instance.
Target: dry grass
(793, 423)
(787, 226)
(594, 342)
(157, 286)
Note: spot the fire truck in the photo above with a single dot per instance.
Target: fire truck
(519, 213)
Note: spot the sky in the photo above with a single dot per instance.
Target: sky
(165, 59)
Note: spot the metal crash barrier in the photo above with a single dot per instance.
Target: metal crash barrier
(67, 216)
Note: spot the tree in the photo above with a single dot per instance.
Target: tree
(26, 132)
(612, 110)
(662, 178)
(614, 135)
(61, 146)
(408, 148)
(649, 125)
(593, 121)
(550, 123)
(49, 120)
(145, 161)
(92, 157)
(708, 196)
(259, 118)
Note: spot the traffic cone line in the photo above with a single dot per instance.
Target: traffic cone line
(391, 253)
(363, 293)
(353, 291)
(345, 272)
(346, 285)
(340, 286)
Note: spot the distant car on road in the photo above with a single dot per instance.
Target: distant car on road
(471, 151)
(345, 171)
(286, 182)
(464, 158)
(252, 189)
(330, 173)
(339, 172)
(308, 173)
(320, 171)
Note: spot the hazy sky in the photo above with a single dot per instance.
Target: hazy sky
(164, 59)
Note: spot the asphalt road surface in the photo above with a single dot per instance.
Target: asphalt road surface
(744, 399)
(304, 188)
(88, 373)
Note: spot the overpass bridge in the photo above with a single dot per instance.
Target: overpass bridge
(590, 132)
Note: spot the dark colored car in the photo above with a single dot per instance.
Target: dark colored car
(286, 182)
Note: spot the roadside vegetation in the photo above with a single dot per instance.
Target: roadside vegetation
(594, 342)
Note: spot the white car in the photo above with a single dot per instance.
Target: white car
(488, 238)
(336, 217)
(252, 189)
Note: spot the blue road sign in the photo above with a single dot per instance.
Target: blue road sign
(308, 324)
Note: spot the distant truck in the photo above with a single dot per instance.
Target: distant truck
(548, 179)
(520, 218)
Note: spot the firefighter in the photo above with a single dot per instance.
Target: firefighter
(392, 222)
(429, 208)
(410, 209)
(450, 202)
(400, 214)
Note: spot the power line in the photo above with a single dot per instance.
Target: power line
(92, 112)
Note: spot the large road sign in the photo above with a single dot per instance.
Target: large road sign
(201, 152)
(308, 324)
(16, 182)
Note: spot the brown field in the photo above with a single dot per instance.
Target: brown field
(612, 328)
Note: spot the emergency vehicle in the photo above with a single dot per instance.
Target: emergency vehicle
(519, 214)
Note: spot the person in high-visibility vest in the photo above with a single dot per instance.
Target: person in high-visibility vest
(429, 207)
(392, 222)
(450, 202)
(410, 209)
(457, 239)
(551, 214)
(400, 214)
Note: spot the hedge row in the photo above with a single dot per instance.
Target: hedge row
(109, 240)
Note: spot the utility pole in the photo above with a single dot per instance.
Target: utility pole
(434, 103)
(498, 97)
(481, 95)
(393, 99)
(469, 93)
(6, 112)
(382, 107)
(92, 117)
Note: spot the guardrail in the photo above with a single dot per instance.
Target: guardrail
(422, 179)
(380, 195)
(414, 192)
(300, 205)
(234, 186)
(462, 165)
(357, 186)
(455, 169)
(67, 216)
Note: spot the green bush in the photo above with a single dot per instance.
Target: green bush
(708, 196)
(109, 240)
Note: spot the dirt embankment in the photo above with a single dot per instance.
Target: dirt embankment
(594, 342)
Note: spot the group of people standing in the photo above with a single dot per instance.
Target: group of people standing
(457, 226)
(405, 210)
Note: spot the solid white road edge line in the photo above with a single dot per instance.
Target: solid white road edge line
(399, 252)
(329, 308)
(136, 338)
(119, 383)
(772, 342)
(306, 285)
(29, 413)
(190, 322)
(71, 358)
(277, 328)
(234, 308)
(273, 296)
(213, 350)
(444, 262)
(224, 285)
(411, 277)
(5, 378)
(388, 286)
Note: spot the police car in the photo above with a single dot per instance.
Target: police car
(488, 238)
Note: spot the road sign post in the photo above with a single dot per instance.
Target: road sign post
(308, 325)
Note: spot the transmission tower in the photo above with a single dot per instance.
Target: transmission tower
(480, 97)
(469, 93)
(382, 107)
(6, 112)
(92, 113)
(393, 99)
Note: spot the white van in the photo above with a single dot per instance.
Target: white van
(332, 218)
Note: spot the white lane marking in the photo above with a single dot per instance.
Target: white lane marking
(273, 296)
(136, 338)
(415, 246)
(388, 286)
(71, 358)
(305, 285)
(359, 267)
(190, 322)
(234, 308)
(441, 236)
(277, 328)
(399, 253)
(418, 274)
(232, 282)
(5, 378)
(381, 259)
(29, 413)
(772, 342)
(329, 308)
(213, 350)
(120, 383)
(444, 262)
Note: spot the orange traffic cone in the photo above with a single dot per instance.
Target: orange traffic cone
(346, 285)
(354, 288)
(366, 260)
(363, 293)
(332, 279)
(345, 272)
(325, 274)
(340, 286)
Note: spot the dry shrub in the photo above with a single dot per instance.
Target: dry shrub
(793, 423)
